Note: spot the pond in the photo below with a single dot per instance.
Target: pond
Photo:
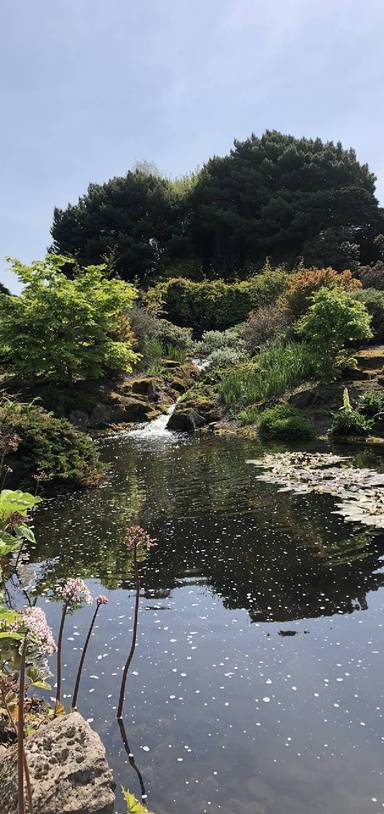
(257, 683)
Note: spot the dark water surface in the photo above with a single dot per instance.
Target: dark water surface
(223, 713)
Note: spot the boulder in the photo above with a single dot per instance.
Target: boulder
(186, 420)
(68, 770)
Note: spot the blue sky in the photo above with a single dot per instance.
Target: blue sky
(89, 87)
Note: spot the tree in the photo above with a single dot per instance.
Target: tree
(64, 329)
(275, 196)
(334, 320)
(137, 223)
(284, 198)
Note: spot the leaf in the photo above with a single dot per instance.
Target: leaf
(11, 635)
(7, 548)
(59, 709)
(26, 532)
(133, 805)
(14, 500)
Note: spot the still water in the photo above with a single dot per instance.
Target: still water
(257, 683)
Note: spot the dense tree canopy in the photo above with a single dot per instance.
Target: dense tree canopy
(274, 196)
(135, 222)
(63, 329)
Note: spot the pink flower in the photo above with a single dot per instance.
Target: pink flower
(137, 537)
(36, 623)
(75, 592)
(102, 600)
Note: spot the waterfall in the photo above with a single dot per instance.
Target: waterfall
(155, 428)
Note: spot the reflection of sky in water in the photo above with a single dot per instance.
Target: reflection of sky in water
(224, 714)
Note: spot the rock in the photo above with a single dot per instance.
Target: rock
(185, 421)
(68, 769)
(146, 386)
(370, 358)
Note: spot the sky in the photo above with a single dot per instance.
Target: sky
(90, 87)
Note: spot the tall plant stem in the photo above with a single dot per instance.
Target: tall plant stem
(81, 664)
(20, 730)
(134, 636)
(26, 769)
(58, 657)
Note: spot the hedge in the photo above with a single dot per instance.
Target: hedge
(214, 304)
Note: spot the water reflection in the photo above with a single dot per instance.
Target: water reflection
(223, 713)
(282, 557)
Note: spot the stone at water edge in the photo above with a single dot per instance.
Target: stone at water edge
(68, 768)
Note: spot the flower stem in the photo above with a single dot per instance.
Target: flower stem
(26, 769)
(134, 636)
(81, 664)
(58, 658)
(20, 730)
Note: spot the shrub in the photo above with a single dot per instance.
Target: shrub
(374, 303)
(280, 366)
(351, 423)
(64, 329)
(263, 325)
(212, 341)
(249, 415)
(144, 325)
(225, 357)
(215, 304)
(334, 319)
(306, 282)
(50, 448)
(174, 337)
(371, 402)
(372, 276)
(283, 421)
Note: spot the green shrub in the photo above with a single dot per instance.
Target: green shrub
(283, 421)
(174, 337)
(351, 422)
(63, 329)
(50, 448)
(279, 366)
(334, 320)
(371, 402)
(374, 303)
(215, 305)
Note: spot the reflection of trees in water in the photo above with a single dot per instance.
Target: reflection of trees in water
(280, 556)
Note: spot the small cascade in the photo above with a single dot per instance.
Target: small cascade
(155, 428)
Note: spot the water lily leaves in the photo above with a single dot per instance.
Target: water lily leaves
(360, 492)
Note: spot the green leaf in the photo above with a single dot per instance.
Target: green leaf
(26, 532)
(7, 634)
(14, 500)
(133, 805)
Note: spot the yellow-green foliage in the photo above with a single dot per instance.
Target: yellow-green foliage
(62, 329)
(215, 304)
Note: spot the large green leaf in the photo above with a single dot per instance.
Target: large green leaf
(14, 500)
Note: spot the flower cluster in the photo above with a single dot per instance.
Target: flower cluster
(36, 623)
(137, 537)
(75, 592)
(102, 600)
